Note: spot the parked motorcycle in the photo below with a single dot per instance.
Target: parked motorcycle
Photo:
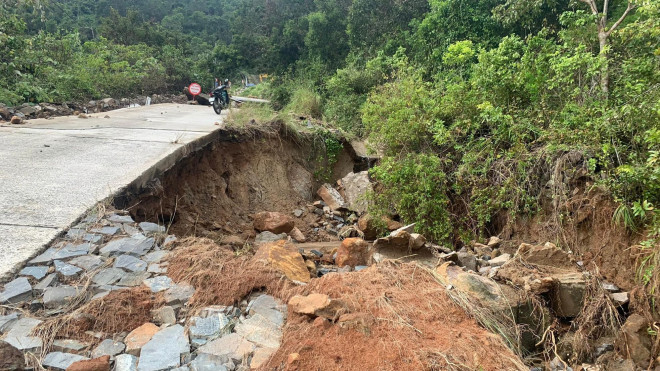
(219, 98)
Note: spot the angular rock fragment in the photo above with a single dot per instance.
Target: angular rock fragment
(331, 197)
(233, 346)
(352, 252)
(16, 291)
(136, 339)
(273, 222)
(137, 246)
(55, 297)
(61, 361)
(164, 350)
(285, 258)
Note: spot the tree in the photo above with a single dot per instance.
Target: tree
(604, 34)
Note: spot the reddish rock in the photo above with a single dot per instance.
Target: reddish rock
(273, 222)
(16, 120)
(137, 338)
(352, 252)
(285, 258)
(96, 364)
(11, 358)
(297, 235)
(317, 305)
(369, 226)
(293, 359)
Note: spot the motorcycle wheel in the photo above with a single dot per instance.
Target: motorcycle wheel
(217, 106)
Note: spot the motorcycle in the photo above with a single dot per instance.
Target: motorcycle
(219, 98)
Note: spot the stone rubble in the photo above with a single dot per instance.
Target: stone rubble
(120, 253)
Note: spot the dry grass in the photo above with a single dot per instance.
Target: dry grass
(220, 276)
(119, 311)
(599, 317)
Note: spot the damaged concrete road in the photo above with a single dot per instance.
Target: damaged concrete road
(52, 171)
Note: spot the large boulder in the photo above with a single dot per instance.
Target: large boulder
(352, 252)
(273, 222)
(331, 197)
(356, 187)
(545, 255)
(285, 258)
(568, 294)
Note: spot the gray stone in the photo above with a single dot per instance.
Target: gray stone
(93, 238)
(620, 298)
(265, 237)
(108, 231)
(20, 336)
(66, 270)
(467, 260)
(130, 263)
(16, 291)
(87, 262)
(69, 346)
(155, 256)
(159, 283)
(164, 315)
(136, 246)
(108, 347)
(260, 331)
(500, 260)
(233, 346)
(61, 361)
(151, 228)
(179, 294)
(126, 362)
(297, 213)
(356, 186)
(45, 283)
(55, 297)
(36, 272)
(133, 279)
(130, 230)
(157, 269)
(207, 328)
(108, 276)
(66, 252)
(610, 287)
(7, 321)
(121, 219)
(208, 362)
(268, 307)
(164, 349)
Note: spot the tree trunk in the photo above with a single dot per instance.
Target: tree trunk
(604, 69)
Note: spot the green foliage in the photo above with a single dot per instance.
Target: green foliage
(415, 187)
(304, 101)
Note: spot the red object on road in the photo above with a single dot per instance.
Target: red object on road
(195, 89)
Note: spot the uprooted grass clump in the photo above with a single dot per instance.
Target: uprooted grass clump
(221, 276)
(119, 311)
(398, 318)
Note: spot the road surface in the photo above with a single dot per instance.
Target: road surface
(53, 171)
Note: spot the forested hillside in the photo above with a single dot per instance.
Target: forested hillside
(480, 108)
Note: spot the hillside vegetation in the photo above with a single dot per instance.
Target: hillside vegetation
(481, 109)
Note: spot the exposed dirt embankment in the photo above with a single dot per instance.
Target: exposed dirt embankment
(214, 192)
